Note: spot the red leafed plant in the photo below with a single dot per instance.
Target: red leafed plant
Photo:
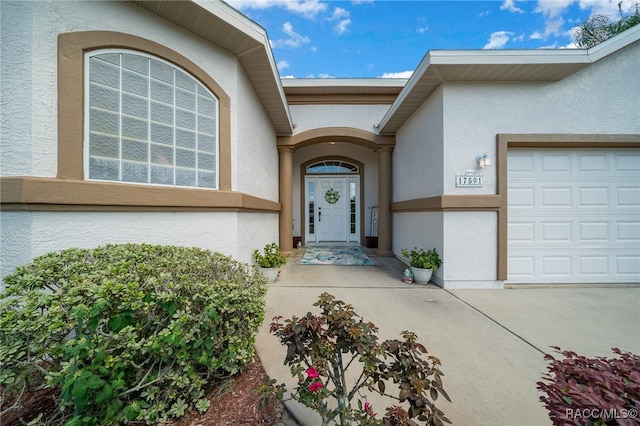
(592, 391)
(320, 350)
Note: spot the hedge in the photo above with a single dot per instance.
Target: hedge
(130, 332)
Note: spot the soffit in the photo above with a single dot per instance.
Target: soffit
(334, 86)
(226, 28)
(364, 91)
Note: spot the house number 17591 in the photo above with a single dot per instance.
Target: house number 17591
(468, 180)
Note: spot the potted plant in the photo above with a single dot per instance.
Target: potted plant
(270, 261)
(422, 263)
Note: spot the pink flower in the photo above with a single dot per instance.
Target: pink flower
(312, 373)
(368, 409)
(315, 386)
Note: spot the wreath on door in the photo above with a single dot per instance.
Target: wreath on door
(331, 196)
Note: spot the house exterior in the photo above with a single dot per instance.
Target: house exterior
(166, 122)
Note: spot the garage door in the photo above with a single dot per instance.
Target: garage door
(574, 216)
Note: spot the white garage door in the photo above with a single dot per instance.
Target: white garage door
(574, 216)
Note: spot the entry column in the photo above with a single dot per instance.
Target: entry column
(384, 201)
(286, 198)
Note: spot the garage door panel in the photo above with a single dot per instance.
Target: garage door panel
(556, 197)
(521, 197)
(628, 231)
(627, 162)
(594, 266)
(628, 265)
(556, 231)
(593, 162)
(574, 216)
(594, 196)
(593, 232)
(556, 163)
(628, 197)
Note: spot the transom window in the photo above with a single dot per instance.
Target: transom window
(148, 122)
(332, 167)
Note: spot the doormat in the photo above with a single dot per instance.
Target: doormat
(335, 256)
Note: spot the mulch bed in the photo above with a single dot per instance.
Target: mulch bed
(234, 403)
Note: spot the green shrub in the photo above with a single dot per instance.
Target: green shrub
(271, 257)
(128, 332)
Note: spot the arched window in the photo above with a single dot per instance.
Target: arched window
(148, 122)
(330, 166)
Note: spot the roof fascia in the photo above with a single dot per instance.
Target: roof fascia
(614, 44)
(246, 27)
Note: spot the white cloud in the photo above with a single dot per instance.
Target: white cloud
(342, 18)
(401, 74)
(282, 65)
(554, 26)
(306, 8)
(498, 40)
(553, 8)
(510, 5)
(607, 7)
(294, 41)
(537, 35)
(423, 26)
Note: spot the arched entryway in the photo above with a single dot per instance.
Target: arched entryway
(325, 183)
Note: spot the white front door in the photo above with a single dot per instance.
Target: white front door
(332, 211)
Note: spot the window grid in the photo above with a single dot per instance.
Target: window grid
(332, 167)
(190, 138)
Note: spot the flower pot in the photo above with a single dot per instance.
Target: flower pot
(271, 274)
(421, 276)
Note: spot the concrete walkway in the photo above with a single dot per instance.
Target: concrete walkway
(491, 342)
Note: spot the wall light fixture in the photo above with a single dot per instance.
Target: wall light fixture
(483, 160)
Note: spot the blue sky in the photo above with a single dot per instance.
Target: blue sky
(388, 38)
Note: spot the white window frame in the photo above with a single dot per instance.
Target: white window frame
(87, 106)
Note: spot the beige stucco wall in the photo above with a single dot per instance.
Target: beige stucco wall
(307, 117)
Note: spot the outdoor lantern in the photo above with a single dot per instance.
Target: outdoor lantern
(483, 160)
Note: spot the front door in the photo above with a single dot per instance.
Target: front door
(332, 209)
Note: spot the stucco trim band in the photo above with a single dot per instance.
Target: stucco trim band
(34, 193)
(449, 203)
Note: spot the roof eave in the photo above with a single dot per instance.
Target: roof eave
(440, 66)
(226, 28)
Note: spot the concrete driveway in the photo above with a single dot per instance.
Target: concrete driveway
(491, 342)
